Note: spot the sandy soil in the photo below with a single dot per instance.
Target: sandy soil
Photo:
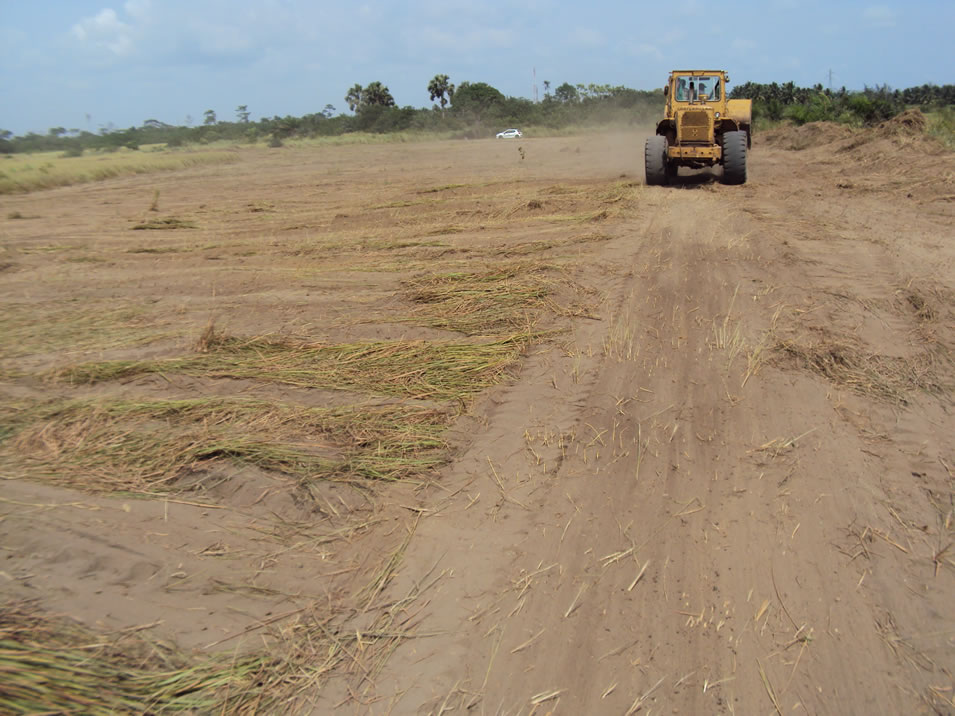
(720, 484)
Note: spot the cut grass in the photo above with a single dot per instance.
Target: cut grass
(490, 301)
(364, 245)
(55, 666)
(31, 328)
(502, 299)
(148, 446)
(886, 378)
(46, 171)
(170, 222)
(439, 371)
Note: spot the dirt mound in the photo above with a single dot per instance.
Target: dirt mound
(808, 135)
(882, 144)
(910, 123)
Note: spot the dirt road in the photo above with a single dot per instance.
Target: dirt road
(712, 499)
(724, 486)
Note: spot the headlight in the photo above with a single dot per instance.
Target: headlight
(717, 115)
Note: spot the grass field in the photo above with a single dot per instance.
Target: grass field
(24, 173)
(361, 329)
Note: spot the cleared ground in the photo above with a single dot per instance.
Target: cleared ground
(485, 427)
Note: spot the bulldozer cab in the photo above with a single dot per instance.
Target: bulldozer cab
(697, 88)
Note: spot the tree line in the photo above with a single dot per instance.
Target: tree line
(815, 104)
(477, 109)
(470, 109)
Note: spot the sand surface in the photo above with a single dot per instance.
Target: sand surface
(721, 483)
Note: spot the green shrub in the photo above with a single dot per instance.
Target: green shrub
(819, 109)
(941, 125)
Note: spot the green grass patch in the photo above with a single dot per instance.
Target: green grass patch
(941, 125)
(368, 138)
(31, 172)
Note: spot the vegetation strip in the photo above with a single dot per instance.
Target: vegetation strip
(146, 446)
(53, 665)
(32, 173)
(438, 371)
(887, 378)
(74, 329)
(495, 300)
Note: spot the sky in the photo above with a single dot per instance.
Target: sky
(87, 65)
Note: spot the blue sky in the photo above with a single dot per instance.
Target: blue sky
(126, 61)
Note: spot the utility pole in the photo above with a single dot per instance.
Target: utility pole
(535, 85)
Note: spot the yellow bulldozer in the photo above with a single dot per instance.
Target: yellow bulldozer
(701, 127)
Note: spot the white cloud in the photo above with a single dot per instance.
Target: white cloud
(475, 39)
(138, 9)
(367, 12)
(879, 16)
(743, 44)
(645, 49)
(105, 31)
(692, 8)
(586, 37)
(672, 36)
(220, 39)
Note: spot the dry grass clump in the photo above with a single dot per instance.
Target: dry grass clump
(149, 446)
(932, 307)
(169, 222)
(29, 328)
(496, 300)
(362, 251)
(413, 369)
(845, 364)
(53, 665)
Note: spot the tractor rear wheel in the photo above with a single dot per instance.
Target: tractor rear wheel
(655, 155)
(734, 157)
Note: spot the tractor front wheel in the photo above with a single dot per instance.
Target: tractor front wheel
(655, 155)
(734, 157)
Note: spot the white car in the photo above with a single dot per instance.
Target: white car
(510, 134)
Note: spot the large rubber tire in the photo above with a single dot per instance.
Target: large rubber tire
(734, 157)
(655, 155)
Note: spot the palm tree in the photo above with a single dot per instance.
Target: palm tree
(438, 87)
(377, 93)
(354, 97)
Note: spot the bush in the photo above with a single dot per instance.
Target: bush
(819, 109)
(871, 109)
(941, 125)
